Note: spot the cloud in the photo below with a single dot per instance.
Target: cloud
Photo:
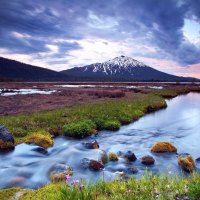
(63, 34)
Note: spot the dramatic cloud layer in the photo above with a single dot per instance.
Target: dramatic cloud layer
(66, 33)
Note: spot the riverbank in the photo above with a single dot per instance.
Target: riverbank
(148, 187)
(81, 120)
(113, 109)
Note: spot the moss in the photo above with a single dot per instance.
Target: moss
(112, 125)
(80, 129)
(187, 163)
(60, 177)
(6, 145)
(7, 194)
(161, 147)
(113, 157)
(39, 139)
(49, 192)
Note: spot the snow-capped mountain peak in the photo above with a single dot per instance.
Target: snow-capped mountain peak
(121, 64)
(121, 68)
(124, 61)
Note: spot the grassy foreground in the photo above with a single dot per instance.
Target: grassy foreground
(80, 120)
(147, 188)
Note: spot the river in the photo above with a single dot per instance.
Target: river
(179, 124)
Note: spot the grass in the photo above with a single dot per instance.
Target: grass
(166, 93)
(79, 129)
(80, 120)
(7, 194)
(148, 187)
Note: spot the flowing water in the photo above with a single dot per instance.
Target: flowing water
(12, 92)
(179, 123)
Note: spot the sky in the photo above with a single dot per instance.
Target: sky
(61, 34)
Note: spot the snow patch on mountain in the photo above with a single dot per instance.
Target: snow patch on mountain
(116, 65)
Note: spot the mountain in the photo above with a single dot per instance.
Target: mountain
(14, 70)
(124, 69)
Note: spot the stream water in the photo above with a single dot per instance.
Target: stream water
(179, 123)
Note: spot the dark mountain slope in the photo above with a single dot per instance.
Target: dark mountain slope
(123, 68)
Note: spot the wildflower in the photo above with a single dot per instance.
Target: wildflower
(75, 182)
(67, 177)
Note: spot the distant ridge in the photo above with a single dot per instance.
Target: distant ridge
(124, 68)
(14, 70)
(121, 69)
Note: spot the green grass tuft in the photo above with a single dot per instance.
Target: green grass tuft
(79, 129)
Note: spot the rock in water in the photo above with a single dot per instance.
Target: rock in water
(91, 144)
(148, 160)
(95, 165)
(59, 171)
(187, 162)
(103, 157)
(113, 157)
(162, 147)
(6, 139)
(130, 156)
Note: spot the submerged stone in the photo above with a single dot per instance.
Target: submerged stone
(148, 160)
(198, 159)
(40, 150)
(132, 170)
(91, 145)
(85, 162)
(58, 172)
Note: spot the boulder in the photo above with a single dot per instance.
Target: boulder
(148, 160)
(186, 162)
(130, 156)
(162, 147)
(95, 165)
(6, 139)
(113, 157)
(58, 172)
(91, 145)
